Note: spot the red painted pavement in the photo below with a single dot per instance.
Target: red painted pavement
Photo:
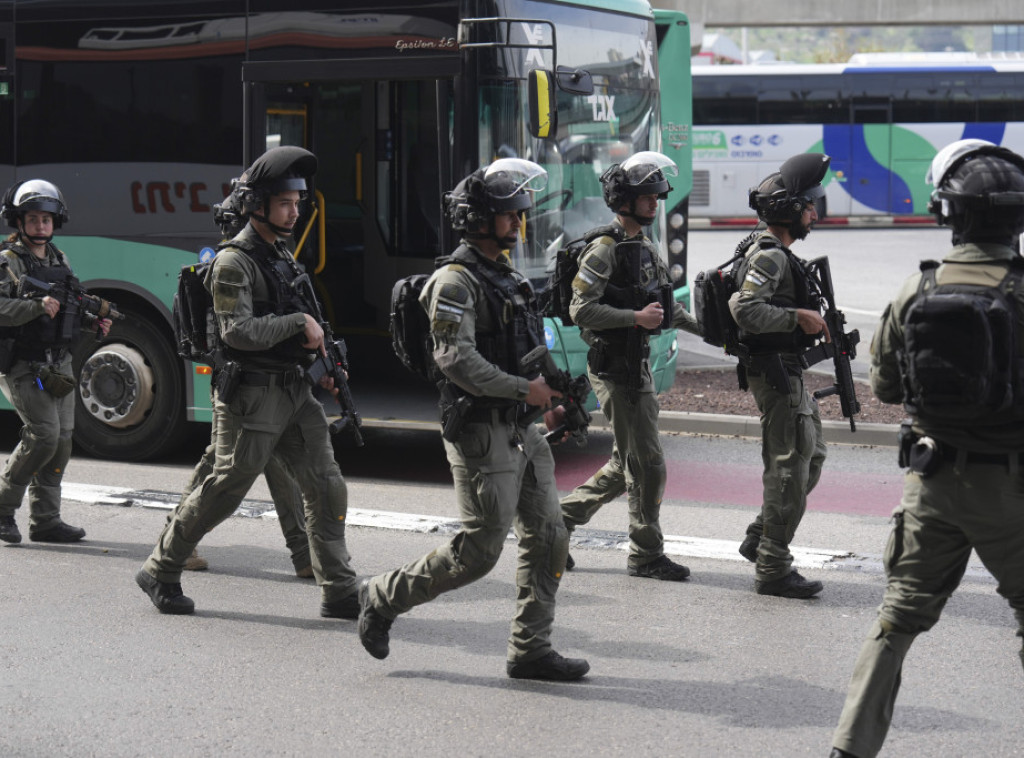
(861, 494)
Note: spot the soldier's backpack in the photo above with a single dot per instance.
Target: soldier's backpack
(410, 326)
(711, 292)
(192, 315)
(961, 363)
(558, 293)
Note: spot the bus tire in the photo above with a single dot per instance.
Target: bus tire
(130, 397)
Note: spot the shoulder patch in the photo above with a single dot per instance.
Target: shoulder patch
(595, 264)
(454, 293)
(766, 264)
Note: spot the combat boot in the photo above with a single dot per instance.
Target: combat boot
(748, 548)
(9, 530)
(58, 532)
(343, 608)
(661, 568)
(306, 572)
(374, 629)
(196, 562)
(570, 564)
(792, 585)
(166, 596)
(837, 753)
(552, 667)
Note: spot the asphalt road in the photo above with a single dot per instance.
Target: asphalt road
(705, 668)
(701, 669)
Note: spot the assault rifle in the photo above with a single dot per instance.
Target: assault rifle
(75, 301)
(334, 364)
(574, 395)
(843, 347)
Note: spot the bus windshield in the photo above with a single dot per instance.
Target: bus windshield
(620, 118)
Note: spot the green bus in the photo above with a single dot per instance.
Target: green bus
(143, 112)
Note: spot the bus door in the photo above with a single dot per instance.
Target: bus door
(382, 143)
(868, 174)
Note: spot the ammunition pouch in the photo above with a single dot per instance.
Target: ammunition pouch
(54, 382)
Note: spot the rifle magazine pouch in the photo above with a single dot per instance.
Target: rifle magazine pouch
(56, 383)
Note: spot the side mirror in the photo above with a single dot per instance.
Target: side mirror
(575, 81)
(543, 109)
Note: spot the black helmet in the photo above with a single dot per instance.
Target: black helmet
(33, 195)
(641, 174)
(280, 169)
(979, 191)
(502, 186)
(783, 196)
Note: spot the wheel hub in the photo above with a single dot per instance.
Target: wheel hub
(116, 386)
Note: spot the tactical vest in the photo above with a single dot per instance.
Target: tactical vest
(278, 273)
(517, 324)
(34, 339)
(781, 342)
(627, 290)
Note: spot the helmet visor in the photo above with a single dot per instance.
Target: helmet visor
(507, 177)
(639, 168)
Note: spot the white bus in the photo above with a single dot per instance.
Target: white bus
(882, 121)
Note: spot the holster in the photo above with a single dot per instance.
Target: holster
(918, 453)
(228, 378)
(771, 367)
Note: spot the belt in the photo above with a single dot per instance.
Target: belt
(500, 415)
(950, 454)
(266, 378)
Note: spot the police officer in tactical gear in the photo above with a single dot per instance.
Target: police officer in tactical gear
(965, 485)
(484, 319)
(264, 403)
(621, 295)
(776, 316)
(36, 363)
(284, 489)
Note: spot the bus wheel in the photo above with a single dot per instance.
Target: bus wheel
(131, 400)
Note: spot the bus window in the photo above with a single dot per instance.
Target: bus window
(724, 100)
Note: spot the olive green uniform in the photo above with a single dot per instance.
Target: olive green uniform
(38, 462)
(974, 500)
(273, 410)
(637, 463)
(792, 444)
(284, 491)
(504, 476)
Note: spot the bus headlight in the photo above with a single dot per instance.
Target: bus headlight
(676, 272)
(676, 220)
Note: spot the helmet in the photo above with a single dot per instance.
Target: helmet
(979, 191)
(33, 195)
(280, 169)
(502, 186)
(641, 174)
(783, 196)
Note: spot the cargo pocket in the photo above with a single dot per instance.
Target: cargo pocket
(894, 548)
